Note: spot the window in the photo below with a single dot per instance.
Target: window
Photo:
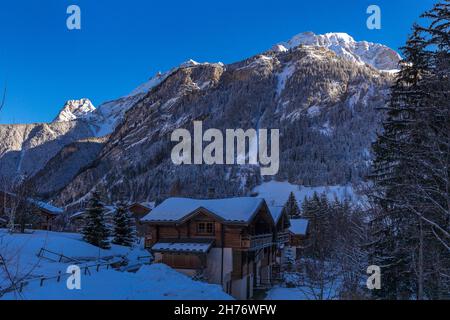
(205, 227)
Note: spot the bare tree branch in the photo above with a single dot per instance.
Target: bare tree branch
(2, 103)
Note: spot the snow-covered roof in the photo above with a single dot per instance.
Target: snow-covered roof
(239, 210)
(299, 226)
(276, 213)
(47, 207)
(107, 211)
(40, 204)
(76, 215)
(183, 246)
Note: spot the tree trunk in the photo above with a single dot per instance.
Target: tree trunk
(420, 266)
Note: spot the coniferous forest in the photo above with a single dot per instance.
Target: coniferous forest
(410, 196)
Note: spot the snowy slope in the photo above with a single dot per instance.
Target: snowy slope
(154, 282)
(377, 55)
(282, 293)
(21, 250)
(151, 83)
(75, 109)
(150, 282)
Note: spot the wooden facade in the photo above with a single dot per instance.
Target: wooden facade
(138, 211)
(40, 216)
(298, 237)
(225, 234)
(253, 247)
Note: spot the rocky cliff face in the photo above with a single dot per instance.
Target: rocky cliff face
(324, 103)
(60, 170)
(25, 149)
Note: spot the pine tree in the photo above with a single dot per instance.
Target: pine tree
(410, 228)
(124, 231)
(291, 207)
(95, 231)
(392, 227)
(317, 211)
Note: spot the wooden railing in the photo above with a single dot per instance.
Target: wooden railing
(257, 241)
(283, 237)
(55, 256)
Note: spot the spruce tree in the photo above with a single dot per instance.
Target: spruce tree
(410, 227)
(392, 227)
(95, 231)
(124, 231)
(291, 207)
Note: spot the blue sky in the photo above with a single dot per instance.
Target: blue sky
(123, 43)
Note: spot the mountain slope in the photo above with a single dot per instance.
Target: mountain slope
(325, 107)
(25, 149)
(361, 52)
(75, 109)
(321, 91)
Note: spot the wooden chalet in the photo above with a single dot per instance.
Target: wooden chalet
(43, 215)
(282, 223)
(139, 210)
(232, 242)
(298, 234)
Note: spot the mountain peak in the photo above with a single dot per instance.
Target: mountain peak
(376, 55)
(75, 109)
(312, 39)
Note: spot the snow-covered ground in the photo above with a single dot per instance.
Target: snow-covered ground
(294, 287)
(276, 193)
(298, 293)
(153, 282)
(281, 293)
(20, 251)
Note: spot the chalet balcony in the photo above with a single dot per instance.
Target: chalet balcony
(257, 241)
(283, 237)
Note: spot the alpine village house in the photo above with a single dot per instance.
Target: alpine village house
(237, 243)
(43, 214)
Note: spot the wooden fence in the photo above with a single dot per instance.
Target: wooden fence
(86, 269)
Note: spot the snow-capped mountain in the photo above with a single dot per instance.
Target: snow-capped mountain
(104, 119)
(322, 92)
(325, 108)
(377, 55)
(160, 77)
(75, 109)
